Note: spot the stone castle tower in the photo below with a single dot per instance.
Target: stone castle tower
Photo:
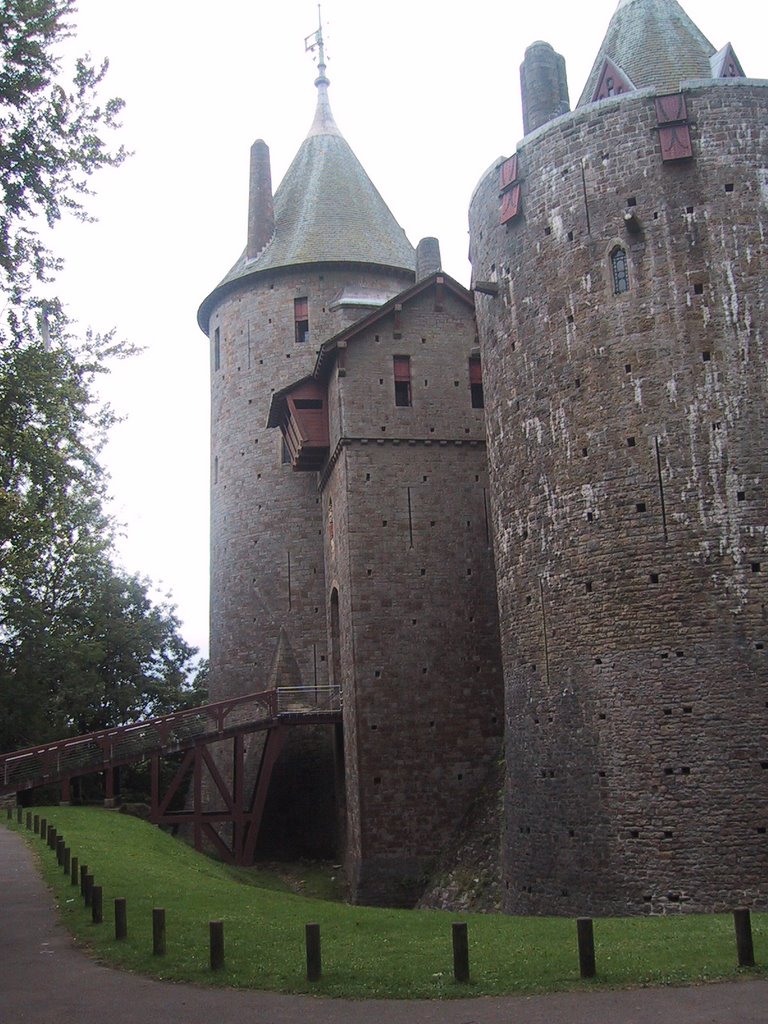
(318, 254)
(352, 545)
(619, 257)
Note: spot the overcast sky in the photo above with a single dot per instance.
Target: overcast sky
(427, 99)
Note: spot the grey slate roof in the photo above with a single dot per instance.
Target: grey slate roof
(655, 43)
(327, 209)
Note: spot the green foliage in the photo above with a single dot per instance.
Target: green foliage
(50, 143)
(82, 645)
(367, 953)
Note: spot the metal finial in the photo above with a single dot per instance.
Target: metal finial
(314, 41)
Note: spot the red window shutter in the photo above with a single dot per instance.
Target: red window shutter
(475, 370)
(402, 366)
(675, 142)
(671, 108)
(508, 173)
(510, 204)
(300, 309)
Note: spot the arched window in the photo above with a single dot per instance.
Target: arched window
(620, 270)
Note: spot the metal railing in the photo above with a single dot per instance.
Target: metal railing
(108, 748)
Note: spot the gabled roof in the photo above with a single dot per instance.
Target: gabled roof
(655, 43)
(344, 337)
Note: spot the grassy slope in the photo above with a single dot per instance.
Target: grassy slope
(366, 952)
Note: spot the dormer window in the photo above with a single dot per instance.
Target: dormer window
(301, 319)
(612, 82)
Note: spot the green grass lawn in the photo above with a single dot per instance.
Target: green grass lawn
(367, 953)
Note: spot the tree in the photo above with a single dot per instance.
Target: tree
(82, 645)
(50, 143)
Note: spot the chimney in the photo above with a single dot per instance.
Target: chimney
(543, 85)
(261, 210)
(427, 258)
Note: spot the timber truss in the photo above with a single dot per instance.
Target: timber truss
(227, 814)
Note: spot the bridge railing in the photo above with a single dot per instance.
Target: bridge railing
(297, 700)
(95, 751)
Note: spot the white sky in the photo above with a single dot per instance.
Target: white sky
(426, 98)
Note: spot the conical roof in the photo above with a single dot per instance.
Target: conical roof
(653, 42)
(327, 209)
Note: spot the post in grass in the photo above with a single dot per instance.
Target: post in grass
(158, 931)
(97, 904)
(314, 959)
(744, 948)
(586, 940)
(121, 918)
(216, 935)
(460, 952)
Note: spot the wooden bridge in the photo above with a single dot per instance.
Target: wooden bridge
(192, 733)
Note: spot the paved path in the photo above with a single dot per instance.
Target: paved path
(45, 979)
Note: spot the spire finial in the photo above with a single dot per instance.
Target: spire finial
(324, 123)
(315, 41)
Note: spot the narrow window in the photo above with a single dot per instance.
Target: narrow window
(402, 368)
(217, 349)
(620, 271)
(476, 382)
(301, 319)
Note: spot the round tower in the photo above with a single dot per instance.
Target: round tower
(318, 255)
(625, 355)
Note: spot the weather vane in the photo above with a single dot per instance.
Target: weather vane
(314, 41)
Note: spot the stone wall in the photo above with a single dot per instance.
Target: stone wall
(628, 451)
(410, 558)
(266, 546)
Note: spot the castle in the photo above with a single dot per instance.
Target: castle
(535, 511)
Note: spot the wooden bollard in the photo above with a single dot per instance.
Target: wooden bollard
(121, 918)
(59, 850)
(74, 877)
(19, 813)
(52, 835)
(586, 940)
(29, 821)
(216, 932)
(67, 861)
(314, 958)
(83, 873)
(158, 931)
(97, 904)
(36, 824)
(744, 948)
(43, 829)
(460, 952)
(88, 890)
